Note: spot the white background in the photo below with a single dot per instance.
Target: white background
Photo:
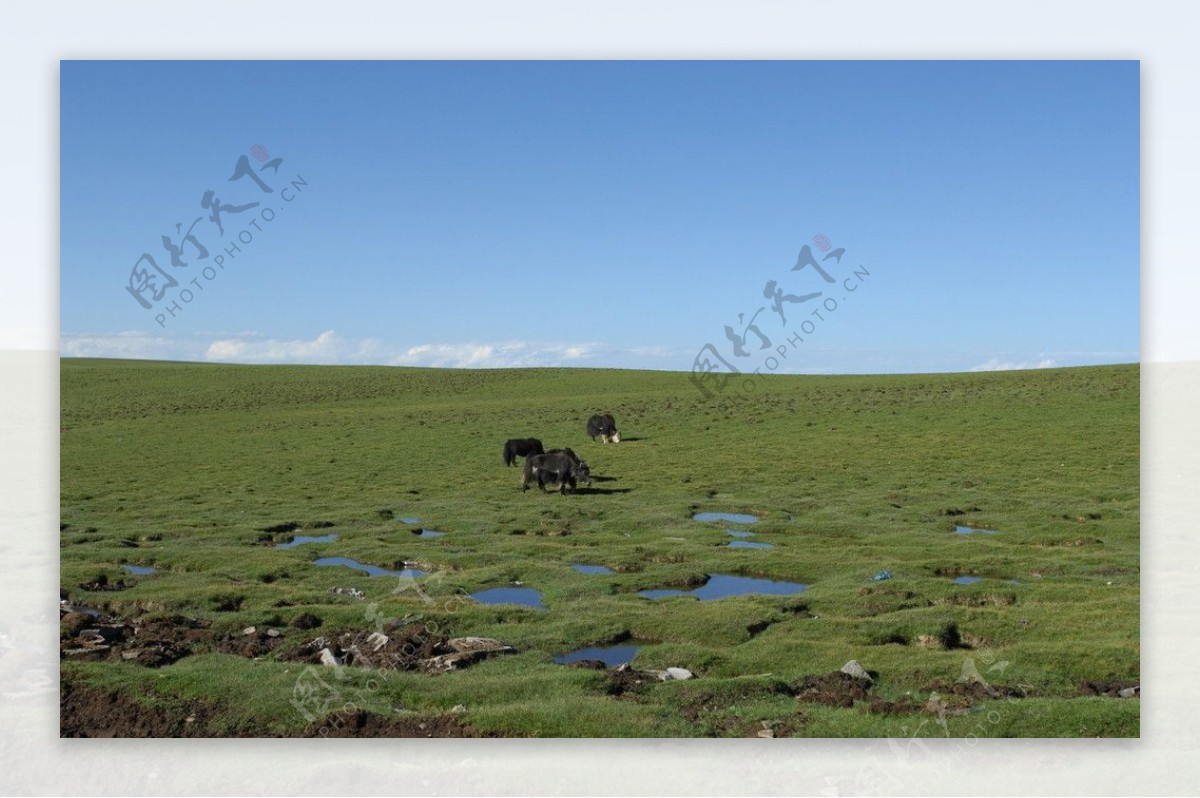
(1163, 36)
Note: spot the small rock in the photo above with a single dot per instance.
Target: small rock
(377, 640)
(328, 659)
(1131, 692)
(679, 673)
(249, 630)
(458, 709)
(190, 719)
(856, 670)
(766, 734)
(273, 633)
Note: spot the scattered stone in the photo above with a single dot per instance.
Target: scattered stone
(853, 668)
(249, 630)
(328, 659)
(273, 633)
(1130, 692)
(678, 674)
(458, 709)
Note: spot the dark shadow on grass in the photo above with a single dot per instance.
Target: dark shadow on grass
(600, 491)
(631, 440)
(604, 479)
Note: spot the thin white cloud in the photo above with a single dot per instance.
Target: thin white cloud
(326, 348)
(507, 354)
(996, 364)
(131, 344)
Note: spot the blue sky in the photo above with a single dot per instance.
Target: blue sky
(607, 213)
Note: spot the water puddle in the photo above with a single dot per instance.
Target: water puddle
(410, 519)
(525, 596)
(593, 569)
(428, 533)
(300, 540)
(746, 544)
(740, 533)
(729, 518)
(140, 570)
(967, 580)
(369, 570)
(721, 586)
(611, 656)
(970, 530)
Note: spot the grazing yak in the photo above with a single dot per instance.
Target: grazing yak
(521, 447)
(603, 427)
(559, 469)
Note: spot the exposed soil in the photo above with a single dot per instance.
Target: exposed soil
(92, 712)
(974, 690)
(86, 711)
(834, 689)
(369, 724)
(1111, 688)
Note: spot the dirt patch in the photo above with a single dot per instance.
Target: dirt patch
(974, 690)
(101, 584)
(834, 689)
(972, 600)
(880, 600)
(1118, 688)
(407, 648)
(369, 724)
(92, 712)
(880, 707)
(955, 511)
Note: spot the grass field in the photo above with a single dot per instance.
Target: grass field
(198, 470)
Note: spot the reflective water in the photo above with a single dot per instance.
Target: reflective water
(593, 569)
(140, 570)
(721, 586)
(428, 533)
(746, 544)
(967, 580)
(369, 570)
(611, 656)
(410, 519)
(300, 540)
(970, 530)
(729, 518)
(525, 596)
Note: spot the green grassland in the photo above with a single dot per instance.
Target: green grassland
(182, 467)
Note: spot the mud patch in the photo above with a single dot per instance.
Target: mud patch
(1119, 688)
(370, 724)
(92, 712)
(412, 647)
(101, 584)
(836, 689)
